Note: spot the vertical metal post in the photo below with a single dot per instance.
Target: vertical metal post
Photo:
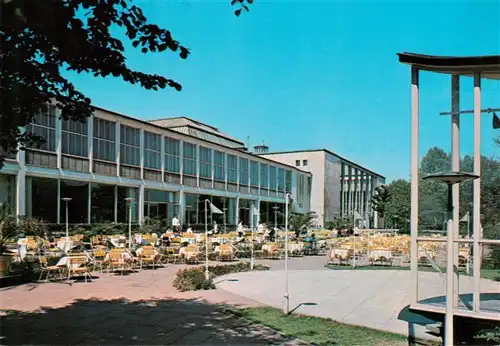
(67, 222)
(207, 275)
(450, 302)
(455, 166)
(286, 296)
(130, 225)
(414, 182)
(476, 227)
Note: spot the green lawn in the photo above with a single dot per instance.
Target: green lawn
(320, 331)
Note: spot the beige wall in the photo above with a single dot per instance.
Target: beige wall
(315, 165)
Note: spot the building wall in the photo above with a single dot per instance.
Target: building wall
(333, 187)
(316, 166)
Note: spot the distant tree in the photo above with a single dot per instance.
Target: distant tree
(399, 204)
(300, 223)
(41, 37)
(379, 202)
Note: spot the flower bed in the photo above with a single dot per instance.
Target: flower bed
(193, 279)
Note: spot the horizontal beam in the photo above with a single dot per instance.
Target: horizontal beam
(487, 110)
(464, 241)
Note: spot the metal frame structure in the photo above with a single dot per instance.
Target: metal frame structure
(484, 67)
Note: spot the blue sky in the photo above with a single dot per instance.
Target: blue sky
(313, 74)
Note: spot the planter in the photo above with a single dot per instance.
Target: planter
(5, 261)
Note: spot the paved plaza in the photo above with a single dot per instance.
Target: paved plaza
(142, 308)
(371, 298)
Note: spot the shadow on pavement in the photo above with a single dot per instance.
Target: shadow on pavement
(123, 322)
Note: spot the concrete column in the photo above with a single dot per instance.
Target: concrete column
(140, 204)
(181, 160)
(182, 208)
(351, 191)
(212, 173)
(117, 147)
(414, 182)
(90, 141)
(89, 206)
(476, 194)
(237, 216)
(455, 166)
(59, 201)
(141, 153)
(198, 166)
(21, 184)
(162, 150)
(58, 133)
(116, 203)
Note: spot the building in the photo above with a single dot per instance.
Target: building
(340, 188)
(169, 167)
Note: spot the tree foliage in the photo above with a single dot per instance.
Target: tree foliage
(42, 37)
(399, 205)
(300, 223)
(379, 201)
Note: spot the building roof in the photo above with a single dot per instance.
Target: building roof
(200, 139)
(177, 122)
(487, 66)
(325, 150)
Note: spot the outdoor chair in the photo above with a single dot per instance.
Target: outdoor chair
(192, 254)
(116, 260)
(147, 256)
(226, 253)
(99, 259)
(47, 270)
(77, 265)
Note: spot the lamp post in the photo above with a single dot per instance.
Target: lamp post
(286, 307)
(450, 178)
(224, 219)
(188, 212)
(207, 275)
(66, 201)
(129, 201)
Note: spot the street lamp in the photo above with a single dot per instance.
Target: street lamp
(224, 219)
(450, 179)
(66, 201)
(286, 308)
(129, 201)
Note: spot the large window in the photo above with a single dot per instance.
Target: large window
(189, 162)
(162, 205)
(243, 171)
(172, 155)
(281, 179)
(130, 145)
(273, 179)
(254, 173)
(191, 216)
(8, 192)
(219, 166)
(205, 162)
(232, 169)
(152, 150)
(104, 140)
(123, 211)
(288, 181)
(74, 138)
(44, 125)
(79, 205)
(264, 175)
(42, 198)
(102, 203)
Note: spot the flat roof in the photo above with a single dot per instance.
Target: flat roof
(166, 129)
(488, 66)
(325, 150)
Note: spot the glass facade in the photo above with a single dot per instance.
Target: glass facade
(44, 125)
(41, 198)
(243, 171)
(272, 213)
(162, 205)
(205, 162)
(104, 140)
(8, 191)
(102, 203)
(244, 211)
(190, 157)
(130, 145)
(281, 180)
(74, 138)
(264, 175)
(254, 173)
(172, 155)
(273, 178)
(79, 205)
(152, 150)
(122, 210)
(219, 166)
(232, 168)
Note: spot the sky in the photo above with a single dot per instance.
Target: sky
(314, 74)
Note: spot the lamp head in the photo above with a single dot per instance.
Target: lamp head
(450, 178)
(67, 199)
(130, 199)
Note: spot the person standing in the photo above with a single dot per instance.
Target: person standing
(176, 224)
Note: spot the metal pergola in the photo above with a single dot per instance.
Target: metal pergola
(483, 67)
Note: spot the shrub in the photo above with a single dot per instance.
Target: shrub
(193, 279)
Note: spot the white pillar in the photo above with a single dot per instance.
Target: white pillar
(477, 234)
(90, 141)
(237, 216)
(21, 186)
(140, 204)
(162, 158)
(58, 133)
(117, 147)
(414, 182)
(182, 209)
(455, 166)
(89, 203)
(116, 203)
(141, 154)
